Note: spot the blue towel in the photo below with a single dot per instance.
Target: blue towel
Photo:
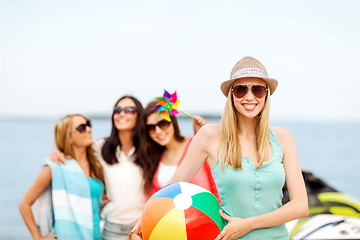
(71, 198)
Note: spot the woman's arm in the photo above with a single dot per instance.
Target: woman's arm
(198, 122)
(296, 208)
(196, 155)
(39, 186)
(57, 157)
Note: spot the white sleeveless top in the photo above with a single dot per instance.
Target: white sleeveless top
(124, 186)
(165, 173)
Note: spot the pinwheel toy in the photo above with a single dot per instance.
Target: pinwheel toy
(168, 104)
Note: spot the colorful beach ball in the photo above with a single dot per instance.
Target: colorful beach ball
(181, 211)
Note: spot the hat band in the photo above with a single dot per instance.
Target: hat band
(249, 72)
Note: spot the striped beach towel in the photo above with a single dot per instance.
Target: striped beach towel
(71, 200)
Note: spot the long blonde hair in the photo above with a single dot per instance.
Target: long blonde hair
(62, 141)
(229, 151)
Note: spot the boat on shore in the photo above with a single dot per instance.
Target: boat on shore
(332, 214)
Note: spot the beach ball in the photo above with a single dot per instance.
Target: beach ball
(181, 211)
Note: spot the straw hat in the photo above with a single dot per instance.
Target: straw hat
(248, 67)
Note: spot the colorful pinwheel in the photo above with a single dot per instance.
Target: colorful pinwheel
(167, 105)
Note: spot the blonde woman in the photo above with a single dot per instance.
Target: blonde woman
(76, 186)
(249, 161)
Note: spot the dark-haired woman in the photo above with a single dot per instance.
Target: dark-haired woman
(76, 186)
(123, 171)
(165, 147)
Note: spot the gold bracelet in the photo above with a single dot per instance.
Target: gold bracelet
(134, 231)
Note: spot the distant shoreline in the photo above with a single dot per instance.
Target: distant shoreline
(91, 116)
(209, 116)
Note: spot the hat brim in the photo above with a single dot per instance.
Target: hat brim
(270, 82)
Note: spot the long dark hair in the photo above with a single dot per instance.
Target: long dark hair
(112, 142)
(150, 151)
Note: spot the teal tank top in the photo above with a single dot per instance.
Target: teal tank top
(97, 190)
(249, 192)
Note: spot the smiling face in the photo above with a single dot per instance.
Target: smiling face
(162, 136)
(125, 121)
(249, 106)
(77, 138)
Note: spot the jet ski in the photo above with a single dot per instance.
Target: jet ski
(332, 214)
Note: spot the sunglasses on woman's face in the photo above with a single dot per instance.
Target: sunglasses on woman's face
(163, 124)
(128, 110)
(240, 91)
(82, 127)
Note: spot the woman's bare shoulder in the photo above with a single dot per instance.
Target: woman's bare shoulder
(209, 130)
(281, 132)
(284, 135)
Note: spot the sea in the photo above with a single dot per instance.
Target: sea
(328, 149)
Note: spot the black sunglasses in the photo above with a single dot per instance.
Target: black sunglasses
(82, 127)
(240, 91)
(163, 124)
(129, 110)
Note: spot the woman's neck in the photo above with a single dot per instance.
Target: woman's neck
(126, 140)
(80, 156)
(172, 152)
(246, 126)
(173, 145)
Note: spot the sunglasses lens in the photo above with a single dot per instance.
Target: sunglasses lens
(130, 110)
(117, 110)
(259, 91)
(240, 91)
(163, 124)
(81, 128)
(150, 128)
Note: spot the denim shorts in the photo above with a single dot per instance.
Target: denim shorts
(113, 231)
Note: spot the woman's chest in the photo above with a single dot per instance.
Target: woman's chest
(270, 175)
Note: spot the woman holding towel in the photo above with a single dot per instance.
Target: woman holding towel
(76, 186)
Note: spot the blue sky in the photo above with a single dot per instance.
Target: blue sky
(59, 57)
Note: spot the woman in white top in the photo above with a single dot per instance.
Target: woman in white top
(123, 172)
